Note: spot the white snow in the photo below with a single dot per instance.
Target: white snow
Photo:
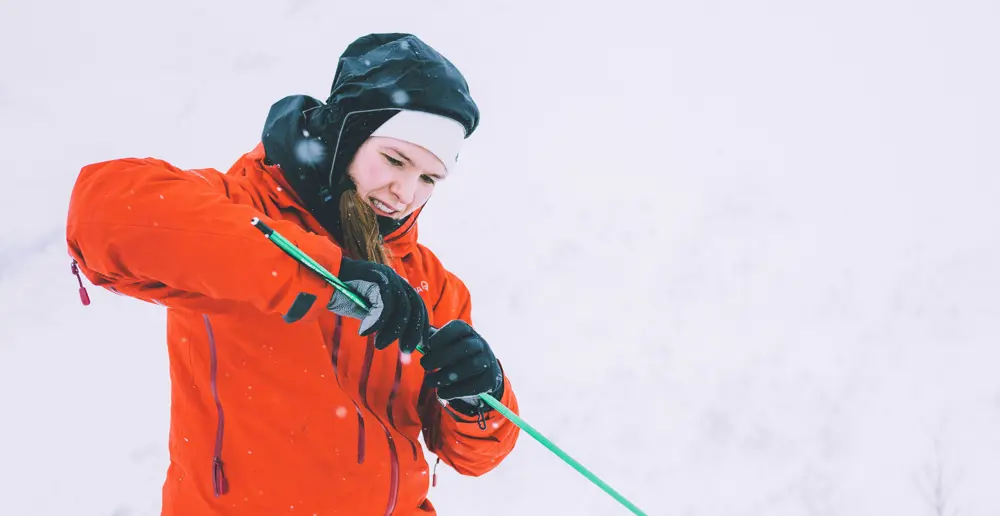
(309, 151)
(400, 97)
(737, 258)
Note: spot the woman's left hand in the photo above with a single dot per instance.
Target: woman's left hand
(461, 365)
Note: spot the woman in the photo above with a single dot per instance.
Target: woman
(285, 397)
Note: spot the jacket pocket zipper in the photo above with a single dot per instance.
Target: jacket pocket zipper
(393, 454)
(220, 484)
(334, 356)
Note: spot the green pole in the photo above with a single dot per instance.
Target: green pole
(307, 261)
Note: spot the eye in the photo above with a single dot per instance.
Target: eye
(393, 161)
(428, 179)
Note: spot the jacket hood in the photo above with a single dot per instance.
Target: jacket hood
(400, 71)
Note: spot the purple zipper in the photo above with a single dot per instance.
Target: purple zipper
(335, 353)
(393, 455)
(392, 399)
(220, 484)
(394, 472)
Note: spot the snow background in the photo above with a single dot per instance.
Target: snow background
(737, 259)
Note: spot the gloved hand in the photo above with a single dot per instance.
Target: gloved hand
(397, 312)
(461, 365)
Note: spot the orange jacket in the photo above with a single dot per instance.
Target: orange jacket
(269, 417)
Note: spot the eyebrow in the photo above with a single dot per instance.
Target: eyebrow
(410, 161)
(404, 156)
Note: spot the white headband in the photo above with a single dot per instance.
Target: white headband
(440, 135)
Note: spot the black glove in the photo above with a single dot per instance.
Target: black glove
(461, 365)
(397, 312)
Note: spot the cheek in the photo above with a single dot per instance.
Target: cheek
(423, 193)
(368, 177)
(420, 197)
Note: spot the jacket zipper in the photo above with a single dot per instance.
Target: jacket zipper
(392, 399)
(334, 356)
(393, 455)
(220, 484)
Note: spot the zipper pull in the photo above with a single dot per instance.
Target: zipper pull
(434, 477)
(219, 481)
(84, 297)
(481, 418)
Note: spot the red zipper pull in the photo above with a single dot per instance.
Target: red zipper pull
(84, 297)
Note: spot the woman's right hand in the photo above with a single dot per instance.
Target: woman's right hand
(396, 312)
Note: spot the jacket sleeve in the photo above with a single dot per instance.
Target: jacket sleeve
(456, 439)
(146, 229)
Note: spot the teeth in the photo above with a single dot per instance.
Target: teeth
(382, 206)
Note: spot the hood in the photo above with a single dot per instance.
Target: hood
(377, 76)
(391, 72)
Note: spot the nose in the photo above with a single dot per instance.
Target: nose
(404, 187)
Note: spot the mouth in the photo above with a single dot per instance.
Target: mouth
(382, 208)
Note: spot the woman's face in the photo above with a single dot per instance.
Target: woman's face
(394, 176)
